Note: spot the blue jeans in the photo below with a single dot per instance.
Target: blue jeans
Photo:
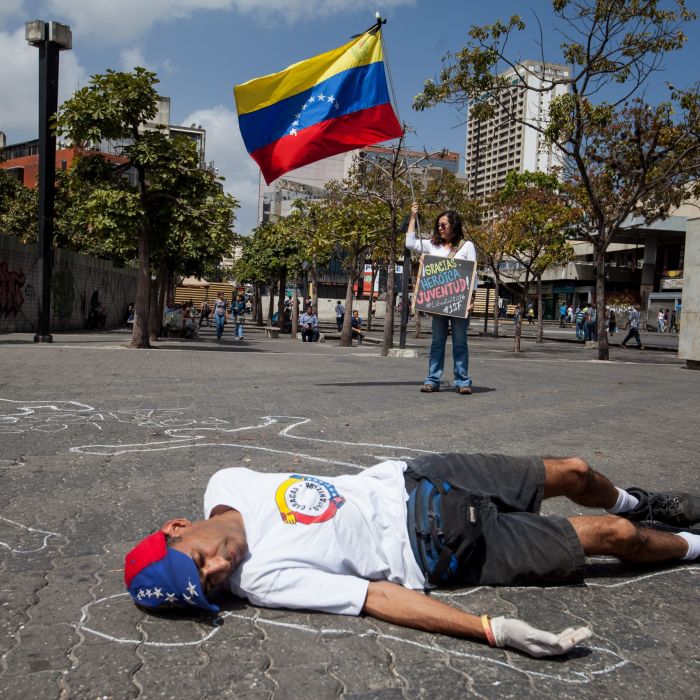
(460, 352)
(239, 329)
(220, 320)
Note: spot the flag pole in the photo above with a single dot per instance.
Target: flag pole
(403, 324)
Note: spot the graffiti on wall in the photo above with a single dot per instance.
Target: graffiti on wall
(11, 283)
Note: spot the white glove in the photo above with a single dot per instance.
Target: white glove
(509, 632)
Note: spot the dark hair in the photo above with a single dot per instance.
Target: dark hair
(456, 224)
(170, 540)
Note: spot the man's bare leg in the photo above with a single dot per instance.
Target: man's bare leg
(573, 478)
(609, 534)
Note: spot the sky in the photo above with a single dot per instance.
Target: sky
(201, 48)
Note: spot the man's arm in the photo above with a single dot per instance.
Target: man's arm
(401, 606)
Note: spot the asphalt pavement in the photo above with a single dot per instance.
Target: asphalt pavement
(101, 444)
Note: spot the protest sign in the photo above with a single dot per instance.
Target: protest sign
(444, 286)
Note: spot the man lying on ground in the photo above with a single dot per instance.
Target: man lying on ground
(373, 542)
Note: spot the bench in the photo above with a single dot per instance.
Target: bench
(272, 332)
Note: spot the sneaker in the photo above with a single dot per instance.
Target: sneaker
(429, 388)
(679, 510)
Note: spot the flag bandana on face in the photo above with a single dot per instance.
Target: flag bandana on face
(325, 105)
(158, 576)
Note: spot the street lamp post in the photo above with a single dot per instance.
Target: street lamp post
(50, 37)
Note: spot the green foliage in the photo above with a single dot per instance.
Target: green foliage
(268, 254)
(535, 219)
(18, 209)
(155, 184)
(111, 107)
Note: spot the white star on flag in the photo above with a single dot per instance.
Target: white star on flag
(293, 132)
(157, 593)
(312, 99)
(191, 589)
(148, 593)
(321, 97)
(170, 597)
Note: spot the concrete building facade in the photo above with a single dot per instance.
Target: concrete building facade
(500, 144)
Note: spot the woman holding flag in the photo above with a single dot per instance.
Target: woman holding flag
(446, 241)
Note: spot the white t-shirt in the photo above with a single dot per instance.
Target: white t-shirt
(317, 542)
(425, 246)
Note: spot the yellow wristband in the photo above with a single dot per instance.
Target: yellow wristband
(486, 622)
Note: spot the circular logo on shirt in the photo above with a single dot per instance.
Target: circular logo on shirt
(307, 500)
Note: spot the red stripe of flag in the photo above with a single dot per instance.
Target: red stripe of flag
(327, 138)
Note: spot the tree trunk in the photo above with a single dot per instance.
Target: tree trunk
(158, 290)
(496, 310)
(162, 298)
(314, 282)
(346, 334)
(599, 267)
(519, 318)
(271, 305)
(371, 302)
(295, 309)
(152, 330)
(257, 305)
(417, 324)
(280, 299)
(518, 327)
(388, 339)
(540, 312)
(142, 305)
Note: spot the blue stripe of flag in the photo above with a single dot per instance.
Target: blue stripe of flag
(346, 92)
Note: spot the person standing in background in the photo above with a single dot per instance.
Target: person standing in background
(446, 241)
(339, 315)
(220, 309)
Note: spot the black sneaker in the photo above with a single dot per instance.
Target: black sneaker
(679, 510)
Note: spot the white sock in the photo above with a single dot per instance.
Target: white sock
(693, 545)
(625, 502)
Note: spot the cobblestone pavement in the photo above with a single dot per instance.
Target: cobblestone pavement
(100, 444)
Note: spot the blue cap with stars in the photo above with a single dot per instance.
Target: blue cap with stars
(158, 576)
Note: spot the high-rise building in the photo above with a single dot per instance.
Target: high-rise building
(497, 145)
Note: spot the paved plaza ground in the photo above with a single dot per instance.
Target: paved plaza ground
(100, 444)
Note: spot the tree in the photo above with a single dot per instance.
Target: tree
(620, 155)
(535, 221)
(354, 224)
(269, 256)
(493, 244)
(18, 209)
(172, 203)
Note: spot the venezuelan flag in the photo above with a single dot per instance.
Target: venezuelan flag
(316, 108)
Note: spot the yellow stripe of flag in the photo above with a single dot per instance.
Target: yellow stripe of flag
(262, 92)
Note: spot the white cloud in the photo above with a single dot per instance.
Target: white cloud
(10, 9)
(225, 147)
(19, 83)
(128, 19)
(130, 58)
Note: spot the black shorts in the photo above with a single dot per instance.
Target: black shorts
(519, 546)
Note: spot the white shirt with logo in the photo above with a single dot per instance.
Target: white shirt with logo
(316, 542)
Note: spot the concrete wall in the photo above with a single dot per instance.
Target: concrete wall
(689, 343)
(75, 278)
